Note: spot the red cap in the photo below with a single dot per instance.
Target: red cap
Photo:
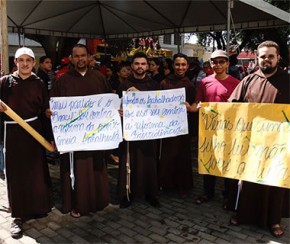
(65, 60)
(103, 69)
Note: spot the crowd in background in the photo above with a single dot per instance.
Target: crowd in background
(145, 167)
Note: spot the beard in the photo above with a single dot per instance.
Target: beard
(268, 69)
(139, 72)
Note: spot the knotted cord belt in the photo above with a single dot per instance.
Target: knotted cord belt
(4, 139)
(71, 165)
(128, 171)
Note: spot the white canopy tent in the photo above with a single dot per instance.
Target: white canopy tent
(131, 18)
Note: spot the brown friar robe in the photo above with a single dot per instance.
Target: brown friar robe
(91, 189)
(28, 181)
(143, 154)
(175, 169)
(262, 205)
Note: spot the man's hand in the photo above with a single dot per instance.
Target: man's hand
(193, 107)
(132, 88)
(187, 105)
(48, 113)
(199, 105)
(53, 145)
(121, 112)
(2, 107)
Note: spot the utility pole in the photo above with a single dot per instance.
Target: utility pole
(4, 38)
(230, 6)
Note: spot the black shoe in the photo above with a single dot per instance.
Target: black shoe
(125, 203)
(153, 202)
(16, 229)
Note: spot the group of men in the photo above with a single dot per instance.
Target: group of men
(258, 204)
(140, 172)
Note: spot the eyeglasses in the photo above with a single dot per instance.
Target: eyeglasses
(271, 56)
(215, 62)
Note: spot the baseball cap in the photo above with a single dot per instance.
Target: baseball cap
(219, 54)
(24, 50)
(65, 60)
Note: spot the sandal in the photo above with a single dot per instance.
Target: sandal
(202, 199)
(277, 230)
(75, 214)
(114, 159)
(234, 221)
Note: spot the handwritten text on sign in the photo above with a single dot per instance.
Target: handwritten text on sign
(245, 141)
(86, 123)
(154, 114)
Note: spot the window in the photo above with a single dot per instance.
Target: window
(167, 39)
(177, 39)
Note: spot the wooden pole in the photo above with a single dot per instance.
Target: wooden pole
(4, 37)
(27, 127)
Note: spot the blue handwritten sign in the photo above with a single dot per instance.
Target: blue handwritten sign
(86, 123)
(154, 114)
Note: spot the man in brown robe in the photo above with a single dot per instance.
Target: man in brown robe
(260, 204)
(175, 169)
(140, 156)
(91, 188)
(28, 180)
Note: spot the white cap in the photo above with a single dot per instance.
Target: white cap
(219, 54)
(24, 50)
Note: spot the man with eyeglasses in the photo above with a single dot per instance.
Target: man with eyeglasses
(260, 204)
(28, 181)
(214, 88)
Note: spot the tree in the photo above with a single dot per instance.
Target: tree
(250, 39)
(215, 38)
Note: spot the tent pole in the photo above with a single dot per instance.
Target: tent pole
(177, 40)
(4, 37)
(228, 26)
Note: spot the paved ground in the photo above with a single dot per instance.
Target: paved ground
(177, 221)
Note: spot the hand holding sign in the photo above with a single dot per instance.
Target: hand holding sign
(154, 114)
(86, 123)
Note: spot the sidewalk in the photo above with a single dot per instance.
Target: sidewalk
(177, 221)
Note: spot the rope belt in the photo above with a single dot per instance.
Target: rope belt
(128, 170)
(4, 140)
(240, 185)
(71, 164)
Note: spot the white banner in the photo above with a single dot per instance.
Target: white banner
(86, 123)
(154, 114)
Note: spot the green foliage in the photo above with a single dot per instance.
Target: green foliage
(250, 39)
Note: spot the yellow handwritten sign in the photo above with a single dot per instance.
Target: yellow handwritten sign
(247, 141)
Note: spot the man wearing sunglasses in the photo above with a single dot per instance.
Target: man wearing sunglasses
(214, 88)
